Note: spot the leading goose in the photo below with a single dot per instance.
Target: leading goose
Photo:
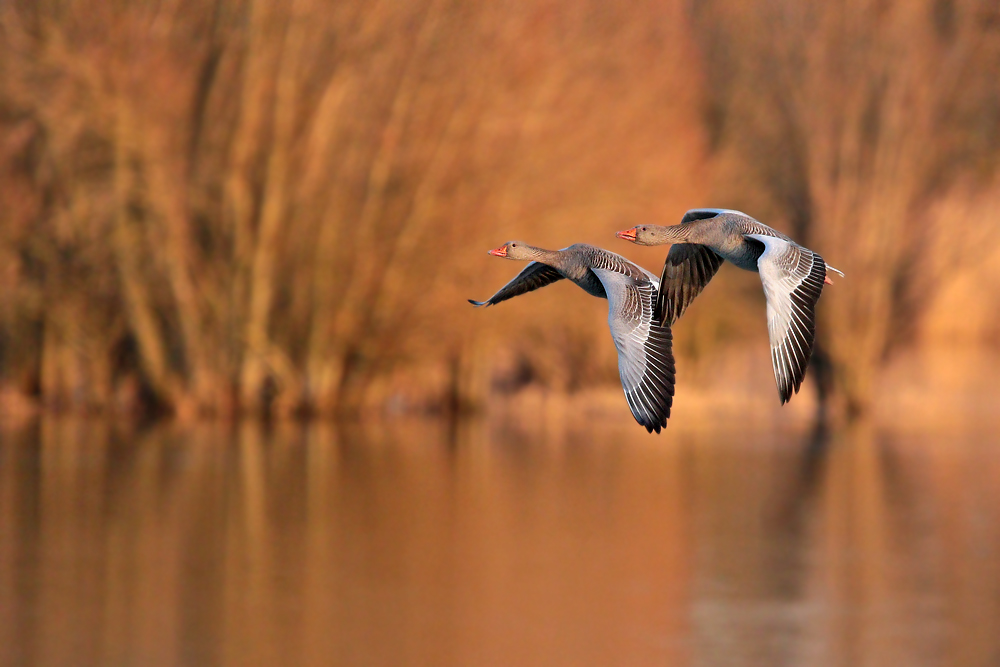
(645, 355)
(793, 278)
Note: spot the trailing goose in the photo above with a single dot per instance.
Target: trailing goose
(793, 277)
(645, 354)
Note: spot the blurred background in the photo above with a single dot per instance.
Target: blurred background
(215, 206)
(222, 208)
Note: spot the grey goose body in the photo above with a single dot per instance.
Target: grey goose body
(792, 275)
(644, 343)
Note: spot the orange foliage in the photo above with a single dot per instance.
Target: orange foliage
(223, 205)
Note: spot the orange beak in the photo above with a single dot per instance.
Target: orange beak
(499, 252)
(627, 234)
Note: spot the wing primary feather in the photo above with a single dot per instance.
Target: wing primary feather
(534, 276)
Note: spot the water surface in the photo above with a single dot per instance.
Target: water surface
(426, 543)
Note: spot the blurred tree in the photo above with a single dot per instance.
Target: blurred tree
(281, 207)
(851, 118)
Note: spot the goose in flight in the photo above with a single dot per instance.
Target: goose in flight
(793, 278)
(644, 343)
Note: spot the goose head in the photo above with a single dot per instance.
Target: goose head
(515, 250)
(641, 235)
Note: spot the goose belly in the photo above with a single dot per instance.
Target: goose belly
(744, 256)
(591, 284)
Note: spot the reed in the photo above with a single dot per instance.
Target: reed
(853, 127)
(219, 206)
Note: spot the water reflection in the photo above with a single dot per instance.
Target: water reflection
(422, 543)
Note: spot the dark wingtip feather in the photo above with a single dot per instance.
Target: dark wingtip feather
(478, 303)
(700, 214)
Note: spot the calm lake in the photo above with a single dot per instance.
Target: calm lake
(428, 543)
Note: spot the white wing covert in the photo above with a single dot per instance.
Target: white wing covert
(645, 353)
(793, 281)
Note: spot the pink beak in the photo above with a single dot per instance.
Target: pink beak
(499, 252)
(627, 234)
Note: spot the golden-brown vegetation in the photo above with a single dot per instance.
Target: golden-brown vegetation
(223, 205)
(854, 119)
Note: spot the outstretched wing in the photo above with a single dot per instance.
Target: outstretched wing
(645, 353)
(793, 281)
(532, 277)
(703, 214)
(686, 271)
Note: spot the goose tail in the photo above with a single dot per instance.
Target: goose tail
(826, 276)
